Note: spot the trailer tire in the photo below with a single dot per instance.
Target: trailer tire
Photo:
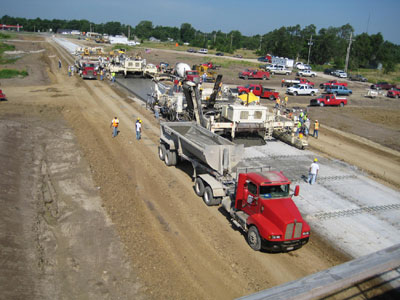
(199, 187)
(170, 158)
(253, 238)
(208, 196)
(161, 151)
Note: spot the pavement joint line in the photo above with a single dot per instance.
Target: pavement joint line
(354, 211)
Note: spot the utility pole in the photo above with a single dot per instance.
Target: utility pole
(260, 42)
(231, 40)
(129, 32)
(348, 52)
(310, 43)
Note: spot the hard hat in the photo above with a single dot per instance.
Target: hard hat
(315, 159)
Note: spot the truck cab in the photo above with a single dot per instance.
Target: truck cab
(265, 210)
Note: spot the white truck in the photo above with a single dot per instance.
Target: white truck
(306, 73)
(302, 89)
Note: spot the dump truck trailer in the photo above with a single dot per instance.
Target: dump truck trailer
(257, 199)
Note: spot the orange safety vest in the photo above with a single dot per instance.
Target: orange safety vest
(115, 123)
(316, 125)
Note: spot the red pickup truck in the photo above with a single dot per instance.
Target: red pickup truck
(258, 90)
(393, 93)
(254, 74)
(332, 82)
(329, 100)
(2, 96)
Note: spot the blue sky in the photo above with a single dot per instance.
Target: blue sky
(249, 17)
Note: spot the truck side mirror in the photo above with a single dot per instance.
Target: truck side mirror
(296, 190)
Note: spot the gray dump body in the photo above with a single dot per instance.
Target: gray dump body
(195, 142)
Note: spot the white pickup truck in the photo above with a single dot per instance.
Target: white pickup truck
(306, 73)
(302, 89)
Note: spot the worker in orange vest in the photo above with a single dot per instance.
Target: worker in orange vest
(114, 125)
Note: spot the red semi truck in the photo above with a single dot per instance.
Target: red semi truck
(257, 200)
(258, 90)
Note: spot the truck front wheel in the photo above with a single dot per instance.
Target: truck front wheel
(322, 104)
(208, 196)
(254, 239)
(199, 187)
(161, 151)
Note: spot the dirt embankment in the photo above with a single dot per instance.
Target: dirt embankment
(110, 191)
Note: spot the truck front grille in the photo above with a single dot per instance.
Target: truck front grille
(293, 230)
(289, 231)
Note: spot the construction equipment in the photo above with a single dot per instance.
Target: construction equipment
(205, 69)
(257, 201)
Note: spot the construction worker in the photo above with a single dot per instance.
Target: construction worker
(157, 111)
(138, 126)
(69, 71)
(286, 101)
(313, 172)
(114, 125)
(307, 126)
(180, 86)
(59, 63)
(113, 76)
(301, 116)
(277, 103)
(101, 74)
(316, 128)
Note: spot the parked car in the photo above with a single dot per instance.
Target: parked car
(2, 96)
(357, 77)
(203, 51)
(306, 73)
(329, 71)
(332, 82)
(302, 89)
(219, 54)
(238, 56)
(281, 71)
(263, 59)
(301, 66)
(329, 99)
(342, 74)
(393, 93)
(258, 90)
(254, 74)
(191, 50)
(338, 90)
(382, 85)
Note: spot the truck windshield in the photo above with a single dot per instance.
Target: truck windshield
(274, 191)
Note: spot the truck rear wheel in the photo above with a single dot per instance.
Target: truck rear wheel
(254, 239)
(271, 97)
(208, 196)
(322, 104)
(264, 77)
(199, 187)
(161, 151)
(341, 104)
(170, 158)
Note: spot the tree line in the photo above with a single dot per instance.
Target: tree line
(328, 45)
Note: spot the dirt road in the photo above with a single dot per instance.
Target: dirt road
(104, 215)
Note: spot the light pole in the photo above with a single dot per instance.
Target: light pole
(310, 43)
